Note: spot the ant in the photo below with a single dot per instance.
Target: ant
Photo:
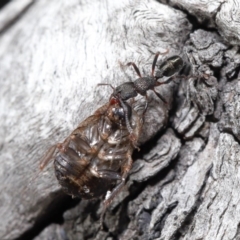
(141, 85)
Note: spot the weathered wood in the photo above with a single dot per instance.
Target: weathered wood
(184, 183)
(220, 14)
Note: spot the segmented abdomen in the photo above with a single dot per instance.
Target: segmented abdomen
(94, 148)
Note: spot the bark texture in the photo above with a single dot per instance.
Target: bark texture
(184, 183)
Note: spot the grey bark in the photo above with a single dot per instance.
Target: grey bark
(184, 183)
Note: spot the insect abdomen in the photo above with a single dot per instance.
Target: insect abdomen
(76, 178)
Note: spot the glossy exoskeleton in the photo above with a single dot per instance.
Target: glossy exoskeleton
(97, 156)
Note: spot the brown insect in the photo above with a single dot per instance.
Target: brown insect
(97, 156)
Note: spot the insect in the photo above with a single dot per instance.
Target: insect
(97, 156)
(141, 85)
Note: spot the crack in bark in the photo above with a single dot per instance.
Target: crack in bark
(185, 224)
(53, 213)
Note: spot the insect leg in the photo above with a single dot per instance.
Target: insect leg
(109, 197)
(175, 77)
(126, 114)
(48, 156)
(135, 68)
(160, 96)
(155, 60)
(111, 175)
(146, 105)
(62, 147)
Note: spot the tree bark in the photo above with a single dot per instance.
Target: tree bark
(185, 180)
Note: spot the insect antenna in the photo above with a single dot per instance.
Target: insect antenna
(105, 84)
(155, 61)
